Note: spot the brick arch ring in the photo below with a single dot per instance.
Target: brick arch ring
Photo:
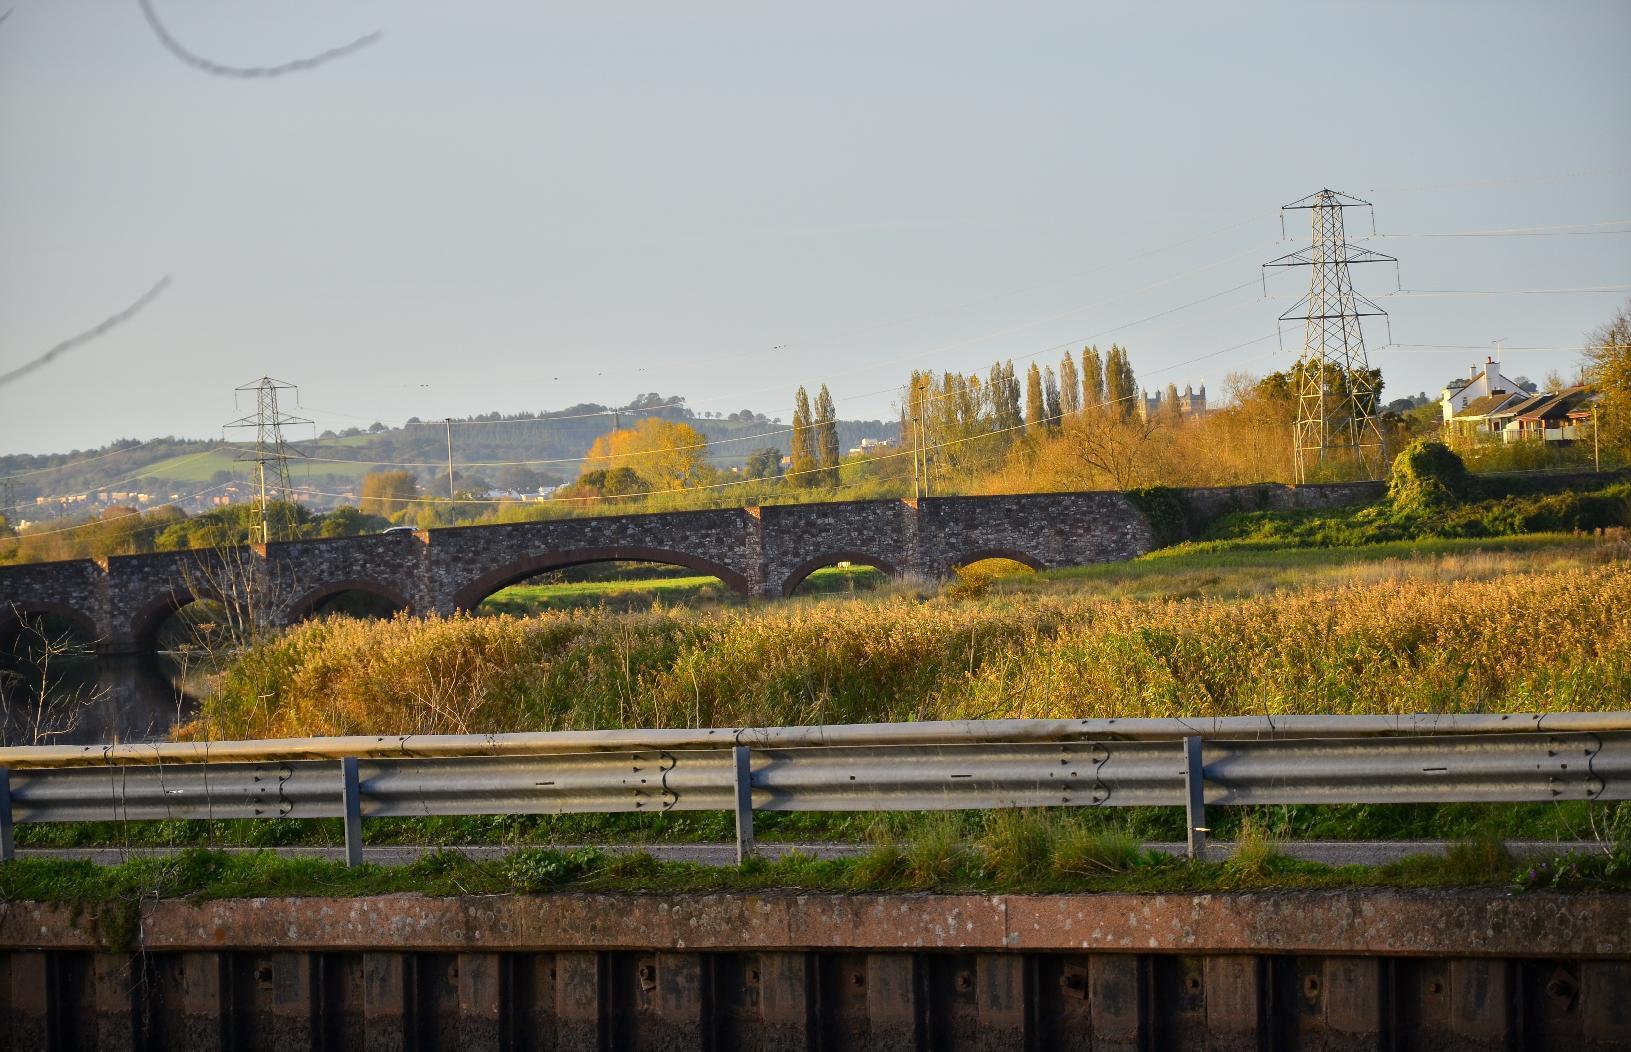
(307, 604)
(809, 566)
(997, 553)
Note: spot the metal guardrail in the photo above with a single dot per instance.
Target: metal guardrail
(930, 732)
(1191, 771)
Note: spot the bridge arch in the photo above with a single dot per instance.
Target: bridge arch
(14, 615)
(144, 625)
(470, 596)
(310, 603)
(809, 566)
(1012, 554)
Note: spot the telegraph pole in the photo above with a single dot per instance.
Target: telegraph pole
(449, 422)
(1336, 394)
(270, 456)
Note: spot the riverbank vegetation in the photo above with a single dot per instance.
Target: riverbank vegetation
(1458, 631)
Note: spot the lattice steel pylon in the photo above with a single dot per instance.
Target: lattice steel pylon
(270, 455)
(1337, 393)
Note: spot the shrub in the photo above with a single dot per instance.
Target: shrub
(1166, 511)
(1426, 477)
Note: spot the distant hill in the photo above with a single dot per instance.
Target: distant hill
(552, 443)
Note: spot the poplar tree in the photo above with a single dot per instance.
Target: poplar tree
(804, 464)
(1070, 387)
(1035, 411)
(826, 438)
(1171, 412)
(1005, 412)
(1050, 399)
(1120, 386)
(1092, 381)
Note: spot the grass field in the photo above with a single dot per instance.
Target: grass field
(669, 591)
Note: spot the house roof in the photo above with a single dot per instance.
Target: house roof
(1481, 407)
(1557, 407)
(1521, 406)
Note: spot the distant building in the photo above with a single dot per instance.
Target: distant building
(1480, 383)
(1522, 416)
(1190, 403)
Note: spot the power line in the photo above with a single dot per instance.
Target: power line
(1505, 292)
(84, 461)
(62, 498)
(950, 443)
(29, 535)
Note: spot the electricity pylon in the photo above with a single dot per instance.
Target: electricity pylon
(1337, 394)
(271, 453)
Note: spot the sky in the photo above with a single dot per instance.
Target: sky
(508, 206)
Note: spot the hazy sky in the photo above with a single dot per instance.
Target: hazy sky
(510, 206)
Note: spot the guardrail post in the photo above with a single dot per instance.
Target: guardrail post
(743, 758)
(6, 851)
(1195, 796)
(352, 789)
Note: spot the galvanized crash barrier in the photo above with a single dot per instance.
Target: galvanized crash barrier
(876, 767)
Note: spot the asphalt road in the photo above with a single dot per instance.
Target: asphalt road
(1330, 852)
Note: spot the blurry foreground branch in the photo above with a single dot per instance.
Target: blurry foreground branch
(85, 337)
(174, 46)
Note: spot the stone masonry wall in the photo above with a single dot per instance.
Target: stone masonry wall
(763, 552)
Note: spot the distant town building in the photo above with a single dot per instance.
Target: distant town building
(1190, 403)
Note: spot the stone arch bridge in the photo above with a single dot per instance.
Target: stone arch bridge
(759, 552)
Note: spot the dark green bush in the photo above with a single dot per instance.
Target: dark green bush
(1427, 477)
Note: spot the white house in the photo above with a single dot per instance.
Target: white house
(1480, 383)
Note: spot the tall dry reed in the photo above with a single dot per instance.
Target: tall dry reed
(1551, 640)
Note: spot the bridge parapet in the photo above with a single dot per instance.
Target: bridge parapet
(760, 552)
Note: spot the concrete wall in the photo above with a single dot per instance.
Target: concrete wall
(762, 552)
(1360, 969)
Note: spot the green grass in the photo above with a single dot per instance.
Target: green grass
(634, 594)
(1020, 856)
(1235, 569)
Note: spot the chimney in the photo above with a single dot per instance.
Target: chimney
(1472, 372)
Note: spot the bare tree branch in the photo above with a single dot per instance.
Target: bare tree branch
(174, 46)
(85, 337)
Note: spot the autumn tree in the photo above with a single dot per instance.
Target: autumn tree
(1070, 389)
(1092, 380)
(1608, 370)
(1004, 395)
(1120, 386)
(803, 466)
(388, 492)
(1035, 411)
(663, 454)
(1051, 412)
(1171, 412)
(826, 437)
